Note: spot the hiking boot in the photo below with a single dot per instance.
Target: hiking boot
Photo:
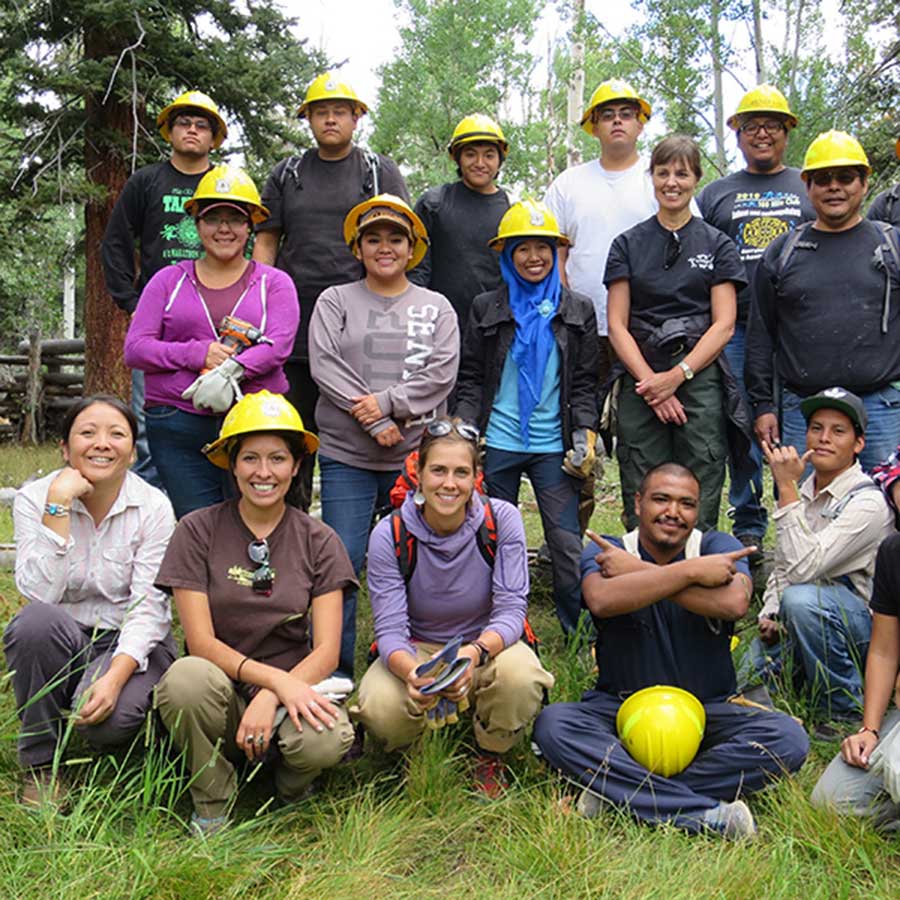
(41, 789)
(831, 731)
(489, 776)
(206, 827)
(732, 820)
(588, 805)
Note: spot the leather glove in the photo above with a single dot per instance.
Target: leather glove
(579, 461)
(218, 389)
(885, 761)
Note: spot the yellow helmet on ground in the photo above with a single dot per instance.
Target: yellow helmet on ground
(330, 87)
(477, 128)
(528, 219)
(834, 148)
(764, 98)
(263, 411)
(193, 100)
(662, 727)
(609, 91)
(387, 208)
(228, 184)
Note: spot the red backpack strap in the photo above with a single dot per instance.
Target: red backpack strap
(487, 534)
(405, 546)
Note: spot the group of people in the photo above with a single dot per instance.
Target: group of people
(346, 336)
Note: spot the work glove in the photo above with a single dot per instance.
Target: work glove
(445, 712)
(885, 761)
(218, 389)
(579, 461)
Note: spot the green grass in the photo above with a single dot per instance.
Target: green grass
(408, 826)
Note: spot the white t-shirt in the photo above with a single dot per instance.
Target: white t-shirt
(593, 207)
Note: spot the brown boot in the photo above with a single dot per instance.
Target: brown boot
(40, 788)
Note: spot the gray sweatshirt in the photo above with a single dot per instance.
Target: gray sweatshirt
(404, 350)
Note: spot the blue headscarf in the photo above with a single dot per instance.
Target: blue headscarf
(533, 306)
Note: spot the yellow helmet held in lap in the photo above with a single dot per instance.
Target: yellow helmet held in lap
(832, 149)
(477, 129)
(608, 92)
(764, 98)
(193, 100)
(528, 219)
(387, 208)
(662, 727)
(263, 411)
(330, 87)
(228, 184)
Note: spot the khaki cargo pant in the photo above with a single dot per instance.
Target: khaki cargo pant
(506, 693)
(200, 708)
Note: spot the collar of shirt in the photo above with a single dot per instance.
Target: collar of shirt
(833, 491)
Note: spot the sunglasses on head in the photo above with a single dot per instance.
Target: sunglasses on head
(263, 577)
(443, 427)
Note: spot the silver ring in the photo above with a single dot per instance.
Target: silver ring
(249, 739)
(260, 739)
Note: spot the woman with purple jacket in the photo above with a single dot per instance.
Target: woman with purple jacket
(452, 590)
(194, 374)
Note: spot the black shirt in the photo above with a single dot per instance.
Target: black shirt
(706, 258)
(459, 263)
(149, 212)
(309, 208)
(886, 206)
(886, 586)
(753, 210)
(822, 317)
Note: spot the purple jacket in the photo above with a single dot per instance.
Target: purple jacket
(171, 330)
(452, 590)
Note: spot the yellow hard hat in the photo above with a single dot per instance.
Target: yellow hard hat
(387, 208)
(263, 411)
(834, 148)
(228, 184)
(193, 100)
(477, 128)
(662, 727)
(764, 98)
(330, 87)
(528, 219)
(609, 91)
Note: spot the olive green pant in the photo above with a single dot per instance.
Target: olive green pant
(202, 711)
(701, 444)
(506, 692)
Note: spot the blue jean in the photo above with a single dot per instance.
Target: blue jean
(882, 432)
(190, 479)
(828, 632)
(350, 497)
(557, 496)
(143, 465)
(745, 493)
(743, 750)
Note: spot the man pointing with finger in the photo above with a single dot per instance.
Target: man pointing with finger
(664, 599)
(828, 528)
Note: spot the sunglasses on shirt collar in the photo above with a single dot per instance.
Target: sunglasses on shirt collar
(673, 250)
(263, 577)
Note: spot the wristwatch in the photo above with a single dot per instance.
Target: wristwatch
(484, 653)
(688, 371)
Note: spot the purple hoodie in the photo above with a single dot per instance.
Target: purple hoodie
(453, 590)
(171, 331)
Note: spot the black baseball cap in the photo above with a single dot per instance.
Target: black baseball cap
(840, 399)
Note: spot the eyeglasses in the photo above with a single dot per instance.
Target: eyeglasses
(673, 250)
(770, 126)
(624, 114)
(215, 221)
(198, 122)
(826, 176)
(443, 427)
(263, 577)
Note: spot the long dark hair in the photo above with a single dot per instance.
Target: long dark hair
(297, 449)
(81, 405)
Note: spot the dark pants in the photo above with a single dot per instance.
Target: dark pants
(303, 393)
(557, 497)
(743, 750)
(53, 660)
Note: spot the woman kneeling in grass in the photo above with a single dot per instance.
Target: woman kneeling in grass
(452, 590)
(251, 578)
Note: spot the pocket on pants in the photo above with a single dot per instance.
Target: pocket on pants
(160, 413)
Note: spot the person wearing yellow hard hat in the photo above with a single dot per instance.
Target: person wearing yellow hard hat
(664, 599)
(259, 588)
(462, 216)
(754, 206)
(886, 206)
(308, 196)
(207, 330)
(528, 382)
(384, 354)
(150, 213)
(826, 307)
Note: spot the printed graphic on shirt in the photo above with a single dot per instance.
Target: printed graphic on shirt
(178, 232)
(702, 261)
(761, 216)
(244, 577)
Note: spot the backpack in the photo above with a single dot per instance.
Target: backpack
(293, 169)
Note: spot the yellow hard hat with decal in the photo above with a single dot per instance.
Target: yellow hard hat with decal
(477, 128)
(263, 411)
(228, 184)
(528, 219)
(834, 148)
(387, 208)
(608, 92)
(193, 100)
(330, 87)
(764, 98)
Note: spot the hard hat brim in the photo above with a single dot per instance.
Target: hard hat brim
(218, 451)
(162, 121)
(497, 243)
(840, 162)
(477, 137)
(359, 108)
(643, 117)
(257, 212)
(734, 121)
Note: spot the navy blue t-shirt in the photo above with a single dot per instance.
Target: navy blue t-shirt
(663, 643)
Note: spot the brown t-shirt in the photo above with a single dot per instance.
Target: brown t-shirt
(208, 553)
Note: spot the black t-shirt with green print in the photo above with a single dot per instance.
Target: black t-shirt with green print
(149, 214)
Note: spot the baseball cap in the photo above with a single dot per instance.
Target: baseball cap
(840, 399)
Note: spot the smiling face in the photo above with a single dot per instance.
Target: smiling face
(479, 164)
(837, 195)
(385, 251)
(673, 184)
(447, 480)
(833, 439)
(224, 233)
(263, 469)
(533, 259)
(762, 140)
(100, 444)
(667, 510)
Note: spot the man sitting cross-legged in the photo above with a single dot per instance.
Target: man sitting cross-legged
(664, 599)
